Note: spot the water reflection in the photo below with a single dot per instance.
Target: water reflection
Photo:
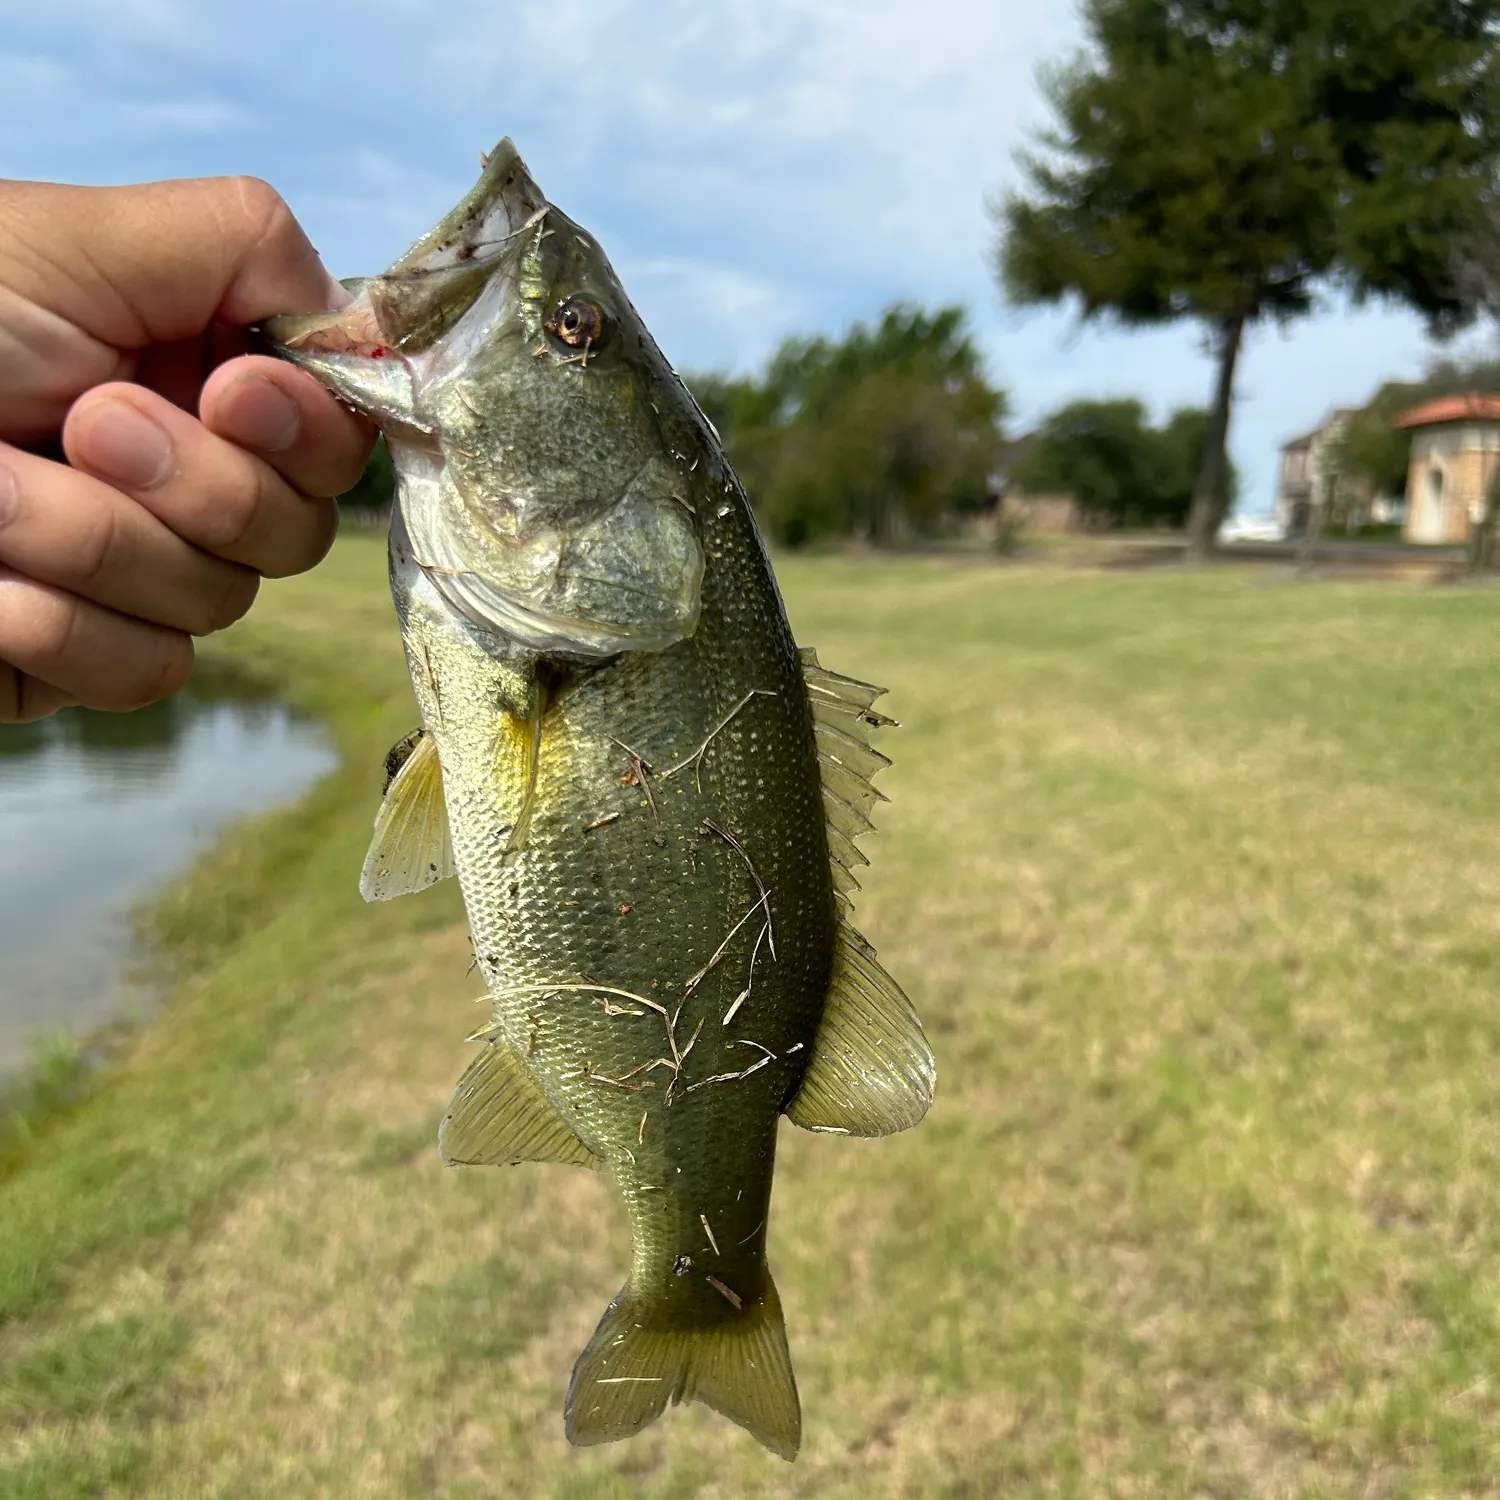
(96, 809)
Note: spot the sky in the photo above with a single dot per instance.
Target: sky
(754, 168)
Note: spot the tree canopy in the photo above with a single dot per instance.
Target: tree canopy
(1228, 160)
(883, 431)
(1115, 466)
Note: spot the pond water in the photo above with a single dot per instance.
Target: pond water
(95, 811)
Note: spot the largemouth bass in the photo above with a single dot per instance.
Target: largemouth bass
(649, 795)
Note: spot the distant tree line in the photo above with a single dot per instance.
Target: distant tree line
(1115, 467)
(883, 433)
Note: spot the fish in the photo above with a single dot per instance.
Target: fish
(651, 797)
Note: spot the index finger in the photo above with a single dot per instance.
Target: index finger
(159, 261)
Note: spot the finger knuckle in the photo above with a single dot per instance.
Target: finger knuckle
(156, 668)
(12, 502)
(320, 525)
(169, 671)
(232, 601)
(228, 524)
(258, 200)
(97, 549)
(270, 216)
(35, 699)
(343, 475)
(45, 635)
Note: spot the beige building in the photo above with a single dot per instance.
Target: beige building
(1306, 476)
(1455, 453)
(1308, 480)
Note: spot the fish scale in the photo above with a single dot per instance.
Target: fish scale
(649, 795)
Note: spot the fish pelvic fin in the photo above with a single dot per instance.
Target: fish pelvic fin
(636, 1366)
(872, 1071)
(500, 1116)
(411, 848)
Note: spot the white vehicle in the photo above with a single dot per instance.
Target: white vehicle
(1252, 529)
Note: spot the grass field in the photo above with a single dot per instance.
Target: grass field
(1195, 879)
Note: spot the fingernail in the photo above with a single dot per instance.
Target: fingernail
(123, 444)
(256, 415)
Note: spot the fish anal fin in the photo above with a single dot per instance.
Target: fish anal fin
(500, 1116)
(635, 1367)
(872, 1070)
(411, 848)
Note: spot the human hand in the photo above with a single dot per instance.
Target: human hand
(121, 310)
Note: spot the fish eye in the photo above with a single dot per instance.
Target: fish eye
(577, 322)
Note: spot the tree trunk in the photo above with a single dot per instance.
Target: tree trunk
(1211, 495)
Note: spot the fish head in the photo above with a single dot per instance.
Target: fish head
(543, 444)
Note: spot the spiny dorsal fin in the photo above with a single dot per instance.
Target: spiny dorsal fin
(871, 1071)
(500, 1116)
(411, 849)
(843, 719)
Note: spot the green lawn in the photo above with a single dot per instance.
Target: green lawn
(1195, 879)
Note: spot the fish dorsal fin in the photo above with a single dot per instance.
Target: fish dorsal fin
(411, 849)
(871, 1071)
(500, 1116)
(843, 719)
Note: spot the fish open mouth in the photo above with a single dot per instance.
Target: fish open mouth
(420, 297)
(538, 494)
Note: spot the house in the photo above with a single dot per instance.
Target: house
(1308, 477)
(1455, 453)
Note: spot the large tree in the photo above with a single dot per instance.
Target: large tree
(1228, 161)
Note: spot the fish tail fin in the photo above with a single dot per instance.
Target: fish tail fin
(634, 1368)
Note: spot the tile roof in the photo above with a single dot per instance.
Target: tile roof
(1473, 407)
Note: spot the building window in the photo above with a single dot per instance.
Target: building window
(1435, 486)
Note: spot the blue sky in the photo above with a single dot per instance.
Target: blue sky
(753, 167)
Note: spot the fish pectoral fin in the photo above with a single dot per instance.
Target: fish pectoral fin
(871, 1071)
(500, 1116)
(411, 849)
(635, 1367)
